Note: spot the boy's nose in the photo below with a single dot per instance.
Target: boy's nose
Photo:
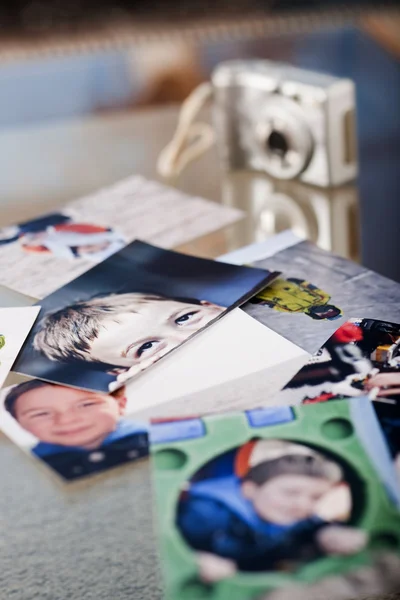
(63, 418)
(303, 504)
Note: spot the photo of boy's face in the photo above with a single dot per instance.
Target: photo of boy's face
(153, 328)
(68, 416)
(123, 315)
(287, 498)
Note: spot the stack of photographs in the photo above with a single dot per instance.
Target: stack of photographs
(124, 314)
(294, 495)
(265, 385)
(101, 331)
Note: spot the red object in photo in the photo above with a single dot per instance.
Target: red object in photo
(82, 228)
(242, 459)
(321, 398)
(349, 332)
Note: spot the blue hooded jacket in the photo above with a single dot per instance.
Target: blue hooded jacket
(215, 517)
(126, 443)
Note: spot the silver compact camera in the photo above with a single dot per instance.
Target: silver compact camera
(289, 122)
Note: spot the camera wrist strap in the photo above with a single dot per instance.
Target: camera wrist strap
(190, 139)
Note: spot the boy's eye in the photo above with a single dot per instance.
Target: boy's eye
(186, 317)
(88, 403)
(41, 414)
(146, 347)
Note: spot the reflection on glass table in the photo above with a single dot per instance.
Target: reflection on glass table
(327, 217)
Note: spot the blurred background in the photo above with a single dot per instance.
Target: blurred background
(90, 89)
(63, 58)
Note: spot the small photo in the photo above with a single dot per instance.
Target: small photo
(272, 498)
(74, 432)
(126, 313)
(316, 291)
(49, 251)
(361, 358)
(15, 324)
(58, 235)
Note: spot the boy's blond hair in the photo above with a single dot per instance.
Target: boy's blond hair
(66, 334)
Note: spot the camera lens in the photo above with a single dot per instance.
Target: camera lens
(285, 141)
(277, 143)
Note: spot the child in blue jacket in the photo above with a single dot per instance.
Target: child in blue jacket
(79, 432)
(266, 519)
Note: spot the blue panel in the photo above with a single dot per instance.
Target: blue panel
(371, 436)
(175, 431)
(261, 417)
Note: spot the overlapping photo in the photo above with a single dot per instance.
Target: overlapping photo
(76, 433)
(15, 324)
(126, 313)
(57, 234)
(316, 291)
(233, 349)
(50, 250)
(362, 358)
(253, 502)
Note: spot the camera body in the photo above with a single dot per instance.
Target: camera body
(289, 122)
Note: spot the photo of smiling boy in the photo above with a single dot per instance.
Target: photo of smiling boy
(79, 432)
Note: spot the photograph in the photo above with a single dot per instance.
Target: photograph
(361, 358)
(51, 240)
(126, 313)
(280, 507)
(52, 249)
(316, 292)
(74, 432)
(236, 346)
(58, 235)
(255, 501)
(15, 324)
(15, 299)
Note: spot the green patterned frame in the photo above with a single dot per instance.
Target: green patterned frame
(328, 427)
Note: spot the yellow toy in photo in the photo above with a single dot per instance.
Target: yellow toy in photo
(388, 354)
(298, 296)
